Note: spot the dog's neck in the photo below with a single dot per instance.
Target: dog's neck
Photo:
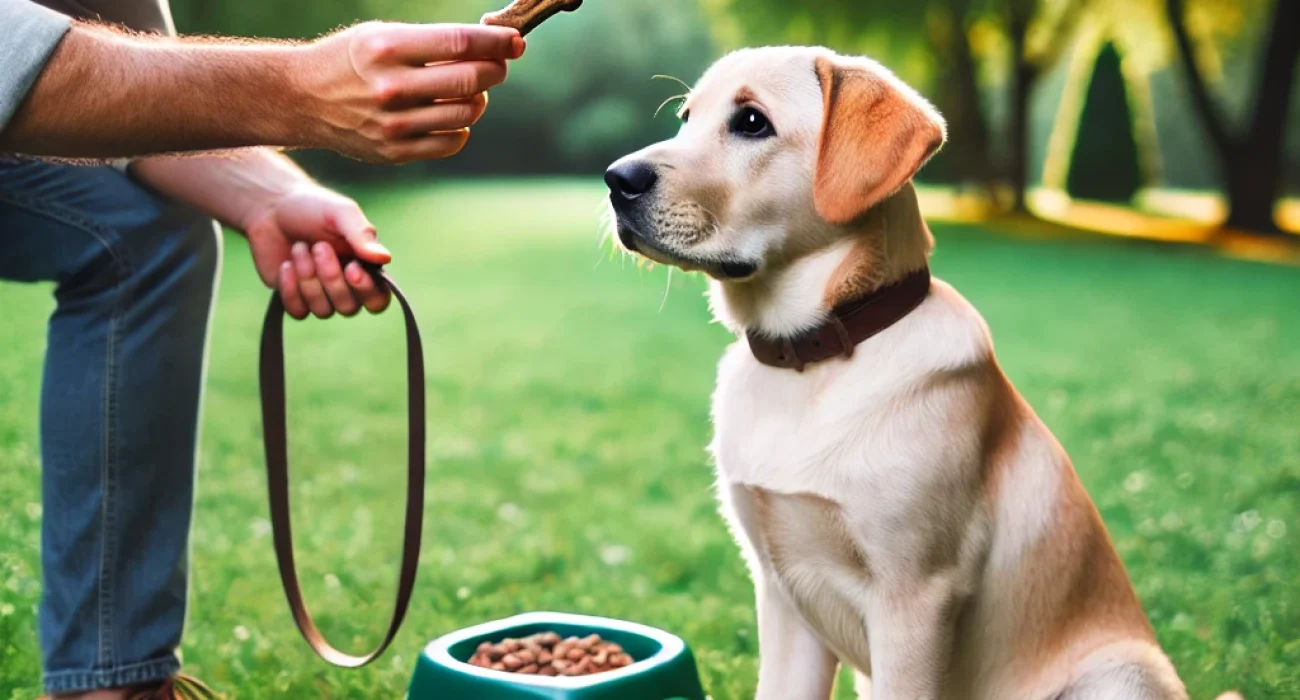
(888, 242)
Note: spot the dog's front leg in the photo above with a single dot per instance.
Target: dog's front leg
(793, 663)
(910, 630)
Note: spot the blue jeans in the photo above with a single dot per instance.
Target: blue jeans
(135, 278)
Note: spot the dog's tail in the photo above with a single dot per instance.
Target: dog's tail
(1230, 695)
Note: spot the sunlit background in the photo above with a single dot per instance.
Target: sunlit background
(1047, 100)
(1118, 197)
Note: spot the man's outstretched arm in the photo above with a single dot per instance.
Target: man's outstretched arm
(368, 91)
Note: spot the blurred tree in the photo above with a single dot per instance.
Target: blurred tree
(958, 96)
(1105, 164)
(1039, 32)
(1250, 158)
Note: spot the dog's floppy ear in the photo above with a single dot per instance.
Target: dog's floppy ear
(876, 133)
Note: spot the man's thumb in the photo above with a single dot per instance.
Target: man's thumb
(360, 235)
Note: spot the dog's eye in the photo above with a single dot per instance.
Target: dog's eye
(685, 115)
(751, 123)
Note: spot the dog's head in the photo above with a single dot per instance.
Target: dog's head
(782, 151)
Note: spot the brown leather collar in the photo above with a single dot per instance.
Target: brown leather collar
(849, 324)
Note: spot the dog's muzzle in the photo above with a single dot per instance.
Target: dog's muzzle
(631, 192)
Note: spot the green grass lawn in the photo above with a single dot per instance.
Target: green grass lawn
(568, 403)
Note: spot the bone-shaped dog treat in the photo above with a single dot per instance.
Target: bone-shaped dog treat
(526, 15)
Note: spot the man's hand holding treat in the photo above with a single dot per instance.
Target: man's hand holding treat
(378, 91)
(399, 92)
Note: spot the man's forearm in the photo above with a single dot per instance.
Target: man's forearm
(234, 187)
(106, 94)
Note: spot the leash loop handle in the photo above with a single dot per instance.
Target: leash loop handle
(277, 474)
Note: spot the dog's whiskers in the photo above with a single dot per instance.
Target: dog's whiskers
(673, 78)
(682, 97)
(608, 226)
(668, 285)
(665, 103)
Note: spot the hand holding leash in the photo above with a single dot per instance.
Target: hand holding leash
(523, 15)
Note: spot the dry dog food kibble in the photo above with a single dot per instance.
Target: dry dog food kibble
(546, 654)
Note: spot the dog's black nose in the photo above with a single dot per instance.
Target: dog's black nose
(631, 180)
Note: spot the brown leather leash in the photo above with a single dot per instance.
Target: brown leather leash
(277, 475)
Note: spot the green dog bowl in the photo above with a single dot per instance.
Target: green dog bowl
(663, 668)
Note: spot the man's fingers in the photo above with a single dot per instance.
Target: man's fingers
(330, 274)
(419, 44)
(289, 295)
(447, 81)
(310, 287)
(363, 285)
(446, 115)
(431, 146)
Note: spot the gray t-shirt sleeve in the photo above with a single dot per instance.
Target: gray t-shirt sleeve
(29, 34)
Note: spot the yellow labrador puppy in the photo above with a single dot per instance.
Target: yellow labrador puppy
(901, 507)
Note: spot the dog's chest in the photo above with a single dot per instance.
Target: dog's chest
(817, 478)
(788, 448)
(787, 432)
